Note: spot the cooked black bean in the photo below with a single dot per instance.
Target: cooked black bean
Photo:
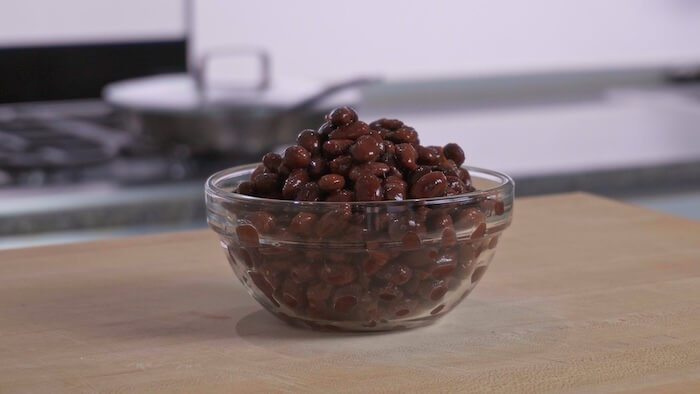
(455, 153)
(296, 157)
(352, 131)
(297, 178)
(368, 188)
(309, 192)
(407, 156)
(310, 140)
(342, 116)
(429, 185)
(331, 182)
(365, 149)
(272, 161)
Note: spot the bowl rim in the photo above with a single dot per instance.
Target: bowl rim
(506, 185)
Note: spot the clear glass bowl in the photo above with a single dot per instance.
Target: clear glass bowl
(360, 266)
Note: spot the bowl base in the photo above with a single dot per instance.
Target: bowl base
(349, 326)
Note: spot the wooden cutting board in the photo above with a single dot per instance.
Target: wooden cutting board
(585, 294)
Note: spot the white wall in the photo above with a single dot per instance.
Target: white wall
(398, 38)
(26, 22)
(406, 39)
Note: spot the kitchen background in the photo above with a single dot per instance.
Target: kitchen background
(597, 96)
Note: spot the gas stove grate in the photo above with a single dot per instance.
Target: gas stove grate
(35, 144)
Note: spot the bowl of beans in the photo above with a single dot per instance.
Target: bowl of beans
(359, 227)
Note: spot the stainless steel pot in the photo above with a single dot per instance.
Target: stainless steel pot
(187, 110)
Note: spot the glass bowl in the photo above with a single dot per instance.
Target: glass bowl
(360, 266)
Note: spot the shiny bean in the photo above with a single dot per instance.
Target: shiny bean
(317, 167)
(439, 221)
(246, 187)
(267, 184)
(455, 186)
(407, 156)
(341, 165)
(260, 169)
(455, 153)
(342, 195)
(325, 130)
(373, 168)
(331, 182)
(384, 123)
(303, 223)
(365, 149)
(352, 131)
(430, 185)
(427, 156)
(334, 148)
(418, 173)
(297, 178)
(395, 189)
(310, 140)
(342, 116)
(296, 157)
(368, 188)
(272, 161)
(309, 192)
(404, 134)
(334, 222)
(263, 221)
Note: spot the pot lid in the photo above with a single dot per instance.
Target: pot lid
(180, 93)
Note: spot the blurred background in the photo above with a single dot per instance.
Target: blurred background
(112, 114)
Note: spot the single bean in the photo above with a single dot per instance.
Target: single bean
(331, 182)
(272, 161)
(342, 116)
(430, 185)
(334, 148)
(342, 195)
(317, 167)
(374, 168)
(407, 156)
(246, 187)
(303, 223)
(309, 192)
(427, 156)
(296, 157)
(404, 134)
(263, 221)
(384, 123)
(352, 131)
(455, 153)
(310, 140)
(365, 149)
(368, 188)
(341, 165)
(297, 178)
(267, 184)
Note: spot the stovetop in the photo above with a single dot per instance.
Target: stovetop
(71, 143)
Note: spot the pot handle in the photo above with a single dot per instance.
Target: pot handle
(199, 72)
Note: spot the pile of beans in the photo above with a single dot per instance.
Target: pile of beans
(350, 160)
(349, 263)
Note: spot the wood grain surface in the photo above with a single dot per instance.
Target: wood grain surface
(584, 295)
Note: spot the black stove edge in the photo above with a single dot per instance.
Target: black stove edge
(65, 72)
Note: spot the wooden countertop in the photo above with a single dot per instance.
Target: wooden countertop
(585, 294)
